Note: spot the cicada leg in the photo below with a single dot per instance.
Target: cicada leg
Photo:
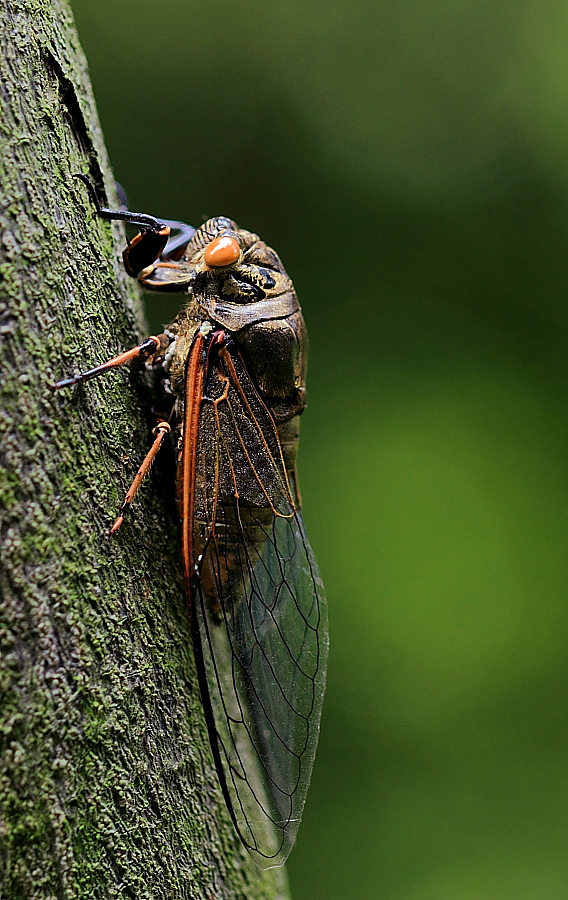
(153, 242)
(176, 245)
(143, 351)
(161, 429)
(155, 247)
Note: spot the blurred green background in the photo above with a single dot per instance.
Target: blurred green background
(409, 161)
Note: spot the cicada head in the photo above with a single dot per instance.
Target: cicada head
(239, 280)
(234, 277)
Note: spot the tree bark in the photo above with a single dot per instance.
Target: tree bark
(107, 785)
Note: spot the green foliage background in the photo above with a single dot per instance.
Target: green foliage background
(409, 161)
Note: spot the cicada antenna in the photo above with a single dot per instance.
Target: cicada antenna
(145, 221)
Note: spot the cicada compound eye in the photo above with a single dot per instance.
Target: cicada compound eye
(223, 251)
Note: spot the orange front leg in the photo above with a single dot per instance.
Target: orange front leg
(143, 351)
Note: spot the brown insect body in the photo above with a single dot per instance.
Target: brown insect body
(274, 351)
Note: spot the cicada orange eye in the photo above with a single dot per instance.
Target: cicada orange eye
(223, 251)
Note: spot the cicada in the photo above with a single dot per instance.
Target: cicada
(233, 363)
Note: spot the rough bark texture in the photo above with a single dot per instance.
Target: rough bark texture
(107, 786)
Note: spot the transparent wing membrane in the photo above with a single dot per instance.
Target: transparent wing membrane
(259, 617)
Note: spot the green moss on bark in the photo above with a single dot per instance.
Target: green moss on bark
(107, 786)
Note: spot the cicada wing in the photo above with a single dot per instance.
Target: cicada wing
(259, 620)
(264, 651)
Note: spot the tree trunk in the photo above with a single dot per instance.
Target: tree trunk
(107, 785)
